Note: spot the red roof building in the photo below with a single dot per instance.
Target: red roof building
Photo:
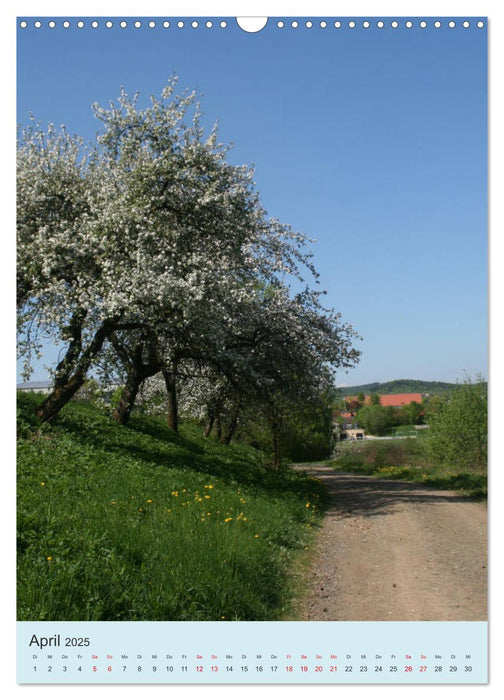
(400, 399)
(390, 399)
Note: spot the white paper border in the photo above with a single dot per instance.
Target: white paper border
(495, 12)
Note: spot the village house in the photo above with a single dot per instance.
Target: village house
(38, 387)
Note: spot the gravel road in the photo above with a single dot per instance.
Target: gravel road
(395, 550)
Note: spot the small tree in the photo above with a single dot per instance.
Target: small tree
(459, 427)
(412, 413)
(374, 419)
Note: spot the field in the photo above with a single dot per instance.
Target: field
(141, 523)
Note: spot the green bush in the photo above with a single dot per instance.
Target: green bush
(458, 427)
(376, 419)
(378, 453)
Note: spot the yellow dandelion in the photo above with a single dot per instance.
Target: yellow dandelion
(205, 497)
(256, 536)
(42, 483)
(226, 520)
(140, 509)
(307, 505)
(49, 558)
(149, 500)
(209, 514)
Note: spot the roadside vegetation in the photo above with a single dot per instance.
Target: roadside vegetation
(140, 522)
(407, 459)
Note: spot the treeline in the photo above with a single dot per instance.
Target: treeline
(376, 419)
(150, 260)
(399, 386)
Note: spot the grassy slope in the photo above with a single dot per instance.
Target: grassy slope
(139, 523)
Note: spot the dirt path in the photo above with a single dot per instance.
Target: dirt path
(394, 550)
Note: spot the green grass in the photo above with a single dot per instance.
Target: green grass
(407, 460)
(141, 523)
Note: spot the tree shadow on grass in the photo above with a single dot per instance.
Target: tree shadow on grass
(233, 469)
(157, 446)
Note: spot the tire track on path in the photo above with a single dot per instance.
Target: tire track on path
(396, 550)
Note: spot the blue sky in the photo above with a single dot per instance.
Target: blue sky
(372, 141)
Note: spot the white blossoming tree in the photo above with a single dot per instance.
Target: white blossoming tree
(151, 253)
(280, 351)
(62, 286)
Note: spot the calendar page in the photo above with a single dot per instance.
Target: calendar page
(252, 349)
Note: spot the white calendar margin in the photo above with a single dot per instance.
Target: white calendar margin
(246, 9)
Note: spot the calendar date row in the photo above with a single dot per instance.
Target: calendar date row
(331, 668)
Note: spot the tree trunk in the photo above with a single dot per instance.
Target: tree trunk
(209, 426)
(170, 378)
(276, 431)
(66, 386)
(275, 443)
(213, 419)
(71, 358)
(60, 396)
(133, 359)
(232, 425)
(122, 411)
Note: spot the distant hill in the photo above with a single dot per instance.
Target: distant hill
(399, 386)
